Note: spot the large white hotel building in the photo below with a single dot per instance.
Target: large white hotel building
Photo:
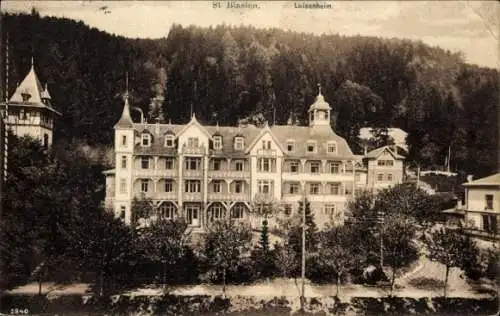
(205, 173)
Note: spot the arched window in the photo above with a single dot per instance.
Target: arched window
(216, 212)
(167, 211)
(238, 211)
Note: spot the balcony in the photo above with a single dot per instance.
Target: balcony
(199, 150)
(192, 173)
(167, 173)
(165, 195)
(267, 152)
(224, 174)
(234, 197)
(192, 196)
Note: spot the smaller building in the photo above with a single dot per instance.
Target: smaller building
(482, 204)
(379, 169)
(29, 111)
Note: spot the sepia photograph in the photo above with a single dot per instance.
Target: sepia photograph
(249, 157)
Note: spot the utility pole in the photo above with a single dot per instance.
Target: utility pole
(381, 221)
(302, 296)
(418, 175)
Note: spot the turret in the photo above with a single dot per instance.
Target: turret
(319, 111)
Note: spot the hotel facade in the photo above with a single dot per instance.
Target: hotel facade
(206, 173)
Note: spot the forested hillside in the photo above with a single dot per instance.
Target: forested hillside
(229, 73)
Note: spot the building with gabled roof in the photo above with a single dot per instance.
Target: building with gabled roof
(482, 204)
(29, 111)
(380, 168)
(205, 173)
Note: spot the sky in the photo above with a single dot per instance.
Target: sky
(471, 27)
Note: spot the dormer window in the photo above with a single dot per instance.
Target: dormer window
(26, 96)
(290, 146)
(217, 142)
(145, 140)
(239, 143)
(311, 147)
(169, 140)
(332, 147)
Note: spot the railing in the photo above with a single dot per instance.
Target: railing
(213, 197)
(192, 196)
(267, 152)
(166, 195)
(192, 173)
(200, 150)
(168, 173)
(228, 174)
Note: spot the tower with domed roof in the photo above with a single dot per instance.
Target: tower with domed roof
(319, 111)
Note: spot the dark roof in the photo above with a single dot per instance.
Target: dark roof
(282, 133)
(374, 154)
(321, 134)
(125, 120)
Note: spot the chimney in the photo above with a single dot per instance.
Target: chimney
(157, 128)
(366, 150)
(469, 178)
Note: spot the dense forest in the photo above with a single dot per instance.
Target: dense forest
(226, 73)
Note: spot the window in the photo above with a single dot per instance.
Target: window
(314, 188)
(293, 188)
(237, 211)
(389, 177)
(380, 177)
(169, 141)
(217, 142)
(193, 142)
(490, 223)
(311, 147)
(288, 209)
(290, 146)
(144, 185)
(145, 140)
(332, 148)
(239, 143)
(348, 189)
(123, 186)
(216, 164)
(238, 186)
(329, 209)
(383, 162)
(489, 201)
(167, 211)
(169, 185)
(124, 162)
(264, 186)
(193, 163)
(266, 165)
(334, 167)
(293, 166)
(216, 186)
(169, 163)
(266, 144)
(357, 177)
(334, 188)
(216, 212)
(192, 186)
(122, 212)
(238, 165)
(315, 167)
(144, 162)
(124, 140)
